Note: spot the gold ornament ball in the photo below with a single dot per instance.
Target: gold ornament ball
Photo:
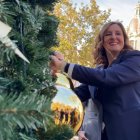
(66, 105)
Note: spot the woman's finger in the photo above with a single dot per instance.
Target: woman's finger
(59, 55)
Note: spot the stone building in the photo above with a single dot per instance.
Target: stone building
(134, 28)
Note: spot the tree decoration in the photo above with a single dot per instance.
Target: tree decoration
(5, 29)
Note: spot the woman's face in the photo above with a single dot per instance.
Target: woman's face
(113, 39)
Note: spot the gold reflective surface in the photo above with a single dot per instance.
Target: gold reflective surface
(66, 105)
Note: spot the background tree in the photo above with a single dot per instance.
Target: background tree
(26, 90)
(68, 30)
(77, 29)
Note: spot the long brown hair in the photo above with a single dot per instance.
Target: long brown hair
(99, 52)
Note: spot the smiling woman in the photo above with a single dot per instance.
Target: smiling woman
(110, 42)
(116, 80)
(113, 42)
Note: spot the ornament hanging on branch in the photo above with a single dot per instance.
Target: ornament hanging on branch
(4, 30)
(66, 105)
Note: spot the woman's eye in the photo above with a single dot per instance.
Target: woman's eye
(107, 34)
(110, 34)
(118, 33)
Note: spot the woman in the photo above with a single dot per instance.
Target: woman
(118, 81)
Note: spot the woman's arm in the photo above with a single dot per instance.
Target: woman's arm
(125, 71)
(118, 74)
(82, 92)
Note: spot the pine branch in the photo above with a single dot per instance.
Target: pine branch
(23, 111)
(5, 13)
(4, 83)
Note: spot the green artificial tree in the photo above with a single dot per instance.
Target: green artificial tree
(26, 90)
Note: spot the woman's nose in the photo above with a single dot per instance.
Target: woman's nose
(113, 36)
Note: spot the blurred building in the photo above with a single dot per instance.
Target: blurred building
(133, 29)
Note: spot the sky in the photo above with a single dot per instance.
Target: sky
(122, 10)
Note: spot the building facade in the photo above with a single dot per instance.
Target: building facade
(134, 29)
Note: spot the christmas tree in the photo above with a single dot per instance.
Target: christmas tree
(26, 90)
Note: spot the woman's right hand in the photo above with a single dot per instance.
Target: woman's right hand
(57, 62)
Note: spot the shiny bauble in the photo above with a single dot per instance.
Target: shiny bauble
(66, 105)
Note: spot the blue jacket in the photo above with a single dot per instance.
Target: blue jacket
(119, 93)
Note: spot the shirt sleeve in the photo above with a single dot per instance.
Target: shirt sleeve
(124, 72)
